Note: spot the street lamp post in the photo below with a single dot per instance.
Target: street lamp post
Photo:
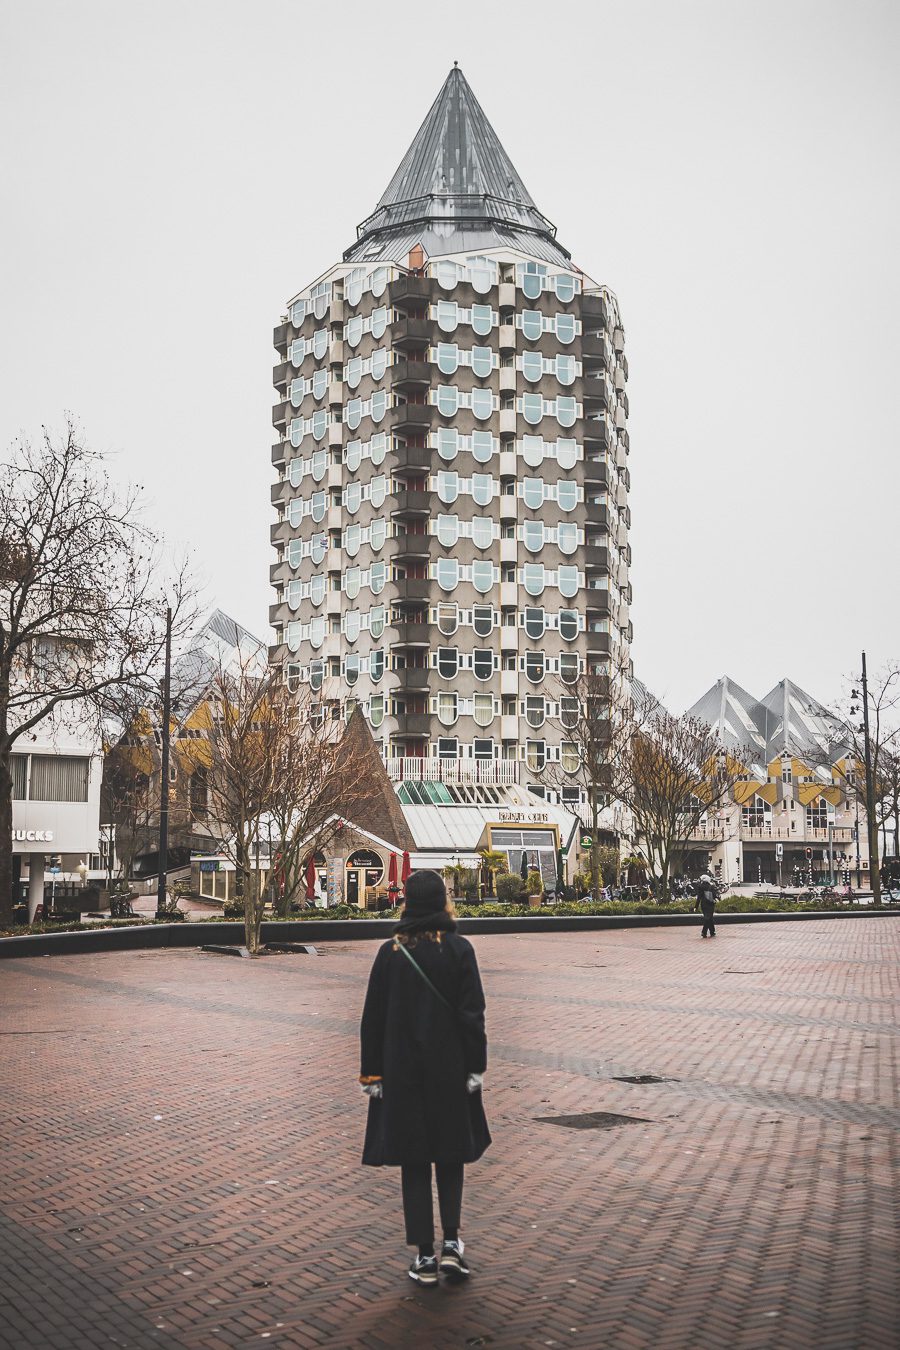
(164, 771)
(871, 822)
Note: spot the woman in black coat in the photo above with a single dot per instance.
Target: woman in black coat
(424, 1052)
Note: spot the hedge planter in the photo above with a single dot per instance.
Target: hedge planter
(133, 937)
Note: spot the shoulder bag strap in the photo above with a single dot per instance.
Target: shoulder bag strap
(415, 965)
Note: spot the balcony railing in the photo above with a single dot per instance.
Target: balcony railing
(497, 772)
(840, 834)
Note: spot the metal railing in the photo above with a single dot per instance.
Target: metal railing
(497, 772)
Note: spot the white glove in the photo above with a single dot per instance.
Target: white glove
(371, 1089)
(474, 1082)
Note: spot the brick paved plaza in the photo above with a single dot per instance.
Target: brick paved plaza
(182, 1136)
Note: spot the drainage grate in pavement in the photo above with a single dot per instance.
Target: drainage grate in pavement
(641, 1078)
(592, 1120)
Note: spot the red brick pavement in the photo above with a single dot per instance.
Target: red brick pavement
(182, 1136)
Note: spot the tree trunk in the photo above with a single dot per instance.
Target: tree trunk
(874, 871)
(6, 843)
(595, 845)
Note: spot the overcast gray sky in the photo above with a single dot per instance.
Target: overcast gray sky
(173, 172)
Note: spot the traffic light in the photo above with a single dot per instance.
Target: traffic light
(809, 853)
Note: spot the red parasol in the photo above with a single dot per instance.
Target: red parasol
(392, 873)
(311, 879)
(406, 868)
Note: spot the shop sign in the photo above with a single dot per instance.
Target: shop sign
(586, 841)
(526, 817)
(209, 865)
(32, 836)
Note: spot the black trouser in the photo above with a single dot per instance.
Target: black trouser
(418, 1207)
(709, 920)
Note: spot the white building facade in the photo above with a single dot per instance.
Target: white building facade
(57, 771)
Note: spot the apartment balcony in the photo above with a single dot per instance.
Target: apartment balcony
(412, 457)
(763, 834)
(408, 546)
(595, 307)
(411, 502)
(709, 833)
(597, 603)
(509, 682)
(509, 640)
(410, 419)
(596, 345)
(407, 373)
(280, 450)
(619, 339)
(412, 333)
(597, 475)
(410, 292)
(507, 421)
(280, 375)
(508, 379)
(413, 681)
(507, 337)
(411, 590)
(507, 298)
(492, 773)
(509, 594)
(597, 391)
(335, 435)
(509, 550)
(509, 727)
(280, 337)
(336, 351)
(411, 634)
(596, 557)
(597, 430)
(413, 724)
(279, 415)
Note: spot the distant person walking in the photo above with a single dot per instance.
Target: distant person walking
(707, 895)
(424, 1053)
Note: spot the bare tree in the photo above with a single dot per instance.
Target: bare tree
(598, 716)
(673, 774)
(884, 745)
(83, 595)
(276, 764)
(321, 779)
(666, 772)
(890, 799)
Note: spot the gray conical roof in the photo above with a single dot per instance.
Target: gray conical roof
(456, 189)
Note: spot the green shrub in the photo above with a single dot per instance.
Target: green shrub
(510, 890)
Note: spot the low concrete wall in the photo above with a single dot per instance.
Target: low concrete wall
(343, 930)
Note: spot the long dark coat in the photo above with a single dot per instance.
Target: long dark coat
(423, 1054)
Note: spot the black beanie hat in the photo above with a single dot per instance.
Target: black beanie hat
(425, 894)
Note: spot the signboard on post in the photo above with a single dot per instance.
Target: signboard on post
(334, 868)
(779, 852)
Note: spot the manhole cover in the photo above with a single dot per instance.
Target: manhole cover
(640, 1078)
(592, 1120)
